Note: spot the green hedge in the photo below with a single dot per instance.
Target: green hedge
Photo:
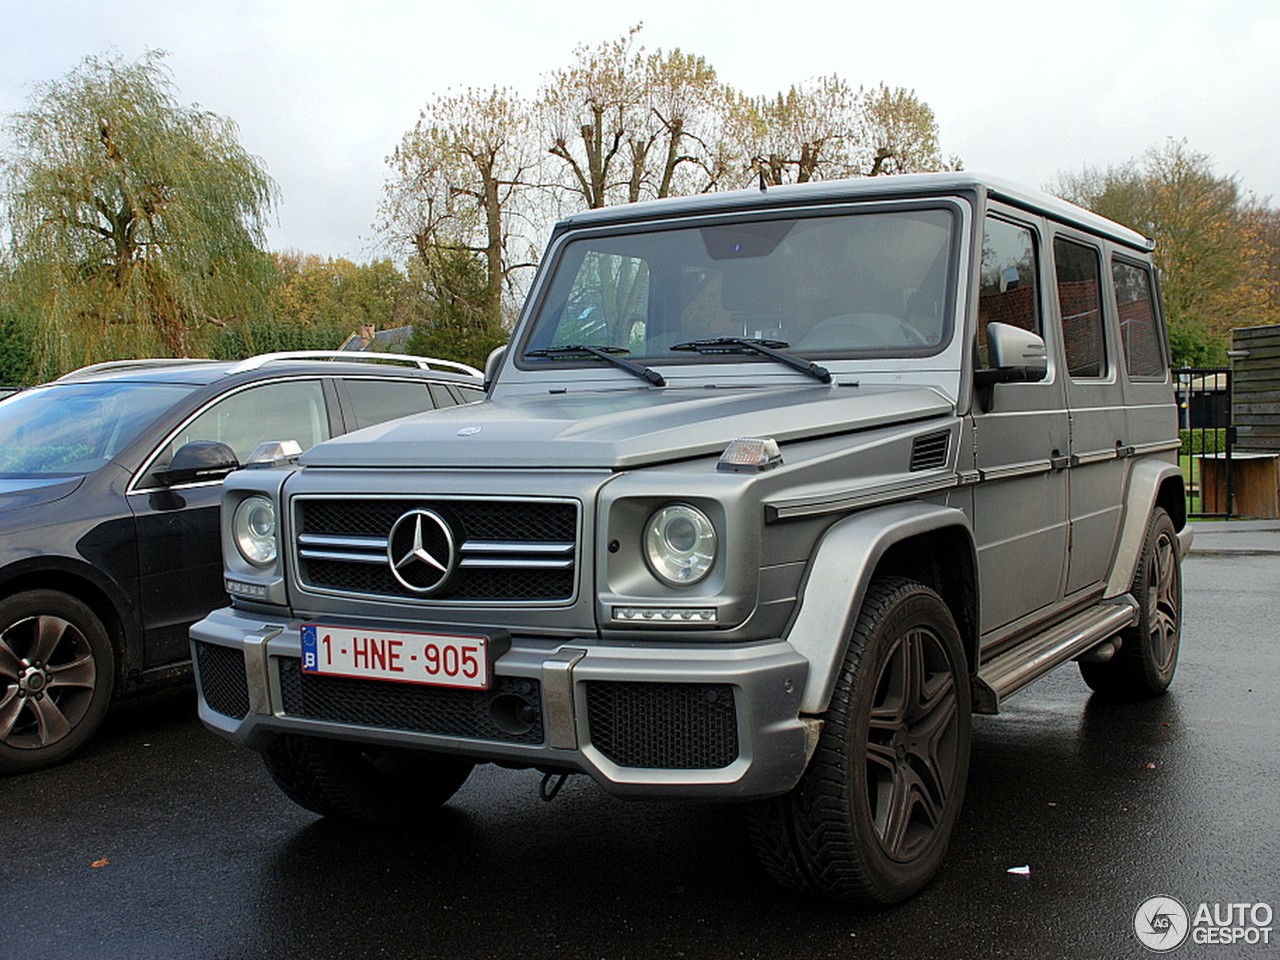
(1203, 441)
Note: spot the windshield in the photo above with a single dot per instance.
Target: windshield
(865, 284)
(75, 428)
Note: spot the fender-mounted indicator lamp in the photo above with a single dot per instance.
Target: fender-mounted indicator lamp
(750, 455)
(274, 453)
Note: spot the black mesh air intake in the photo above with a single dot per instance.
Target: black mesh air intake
(683, 726)
(510, 711)
(222, 679)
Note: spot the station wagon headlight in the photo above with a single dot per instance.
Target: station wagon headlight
(680, 544)
(253, 527)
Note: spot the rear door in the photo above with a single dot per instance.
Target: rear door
(1095, 397)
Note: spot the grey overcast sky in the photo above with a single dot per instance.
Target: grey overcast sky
(323, 91)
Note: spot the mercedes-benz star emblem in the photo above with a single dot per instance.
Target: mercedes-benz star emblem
(421, 551)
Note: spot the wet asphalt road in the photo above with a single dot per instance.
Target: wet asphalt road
(162, 840)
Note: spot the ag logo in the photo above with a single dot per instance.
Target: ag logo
(1161, 923)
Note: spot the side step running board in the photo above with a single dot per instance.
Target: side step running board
(1000, 678)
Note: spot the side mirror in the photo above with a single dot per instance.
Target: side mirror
(1017, 356)
(1012, 348)
(199, 460)
(492, 364)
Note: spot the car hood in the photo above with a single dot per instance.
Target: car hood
(620, 429)
(24, 492)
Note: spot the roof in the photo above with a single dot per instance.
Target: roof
(863, 188)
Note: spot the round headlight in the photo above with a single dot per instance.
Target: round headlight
(680, 544)
(253, 526)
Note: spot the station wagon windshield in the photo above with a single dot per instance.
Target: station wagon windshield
(77, 428)
(865, 284)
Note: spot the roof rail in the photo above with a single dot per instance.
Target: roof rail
(108, 366)
(422, 363)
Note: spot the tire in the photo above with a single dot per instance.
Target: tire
(337, 778)
(872, 816)
(57, 672)
(1143, 667)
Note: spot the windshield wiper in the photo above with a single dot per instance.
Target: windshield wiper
(607, 354)
(766, 348)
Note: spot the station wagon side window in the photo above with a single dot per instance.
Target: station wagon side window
(374, 401)
(1008, 288)
(285, 410)
(1139, 328)
(1079, 274)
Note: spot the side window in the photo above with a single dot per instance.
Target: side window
(1007, 292)
(1079, 273)
(373, 401)
(286, 410)
(1139, 331)
(469, 394)
(441, 395)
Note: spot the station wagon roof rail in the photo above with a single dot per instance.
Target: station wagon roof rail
(422, 363)
(111, 366)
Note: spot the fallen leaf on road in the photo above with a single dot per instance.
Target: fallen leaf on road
(102, 862)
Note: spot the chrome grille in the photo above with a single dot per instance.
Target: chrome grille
(507, 550)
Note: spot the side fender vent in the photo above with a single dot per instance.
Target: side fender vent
(929, 452)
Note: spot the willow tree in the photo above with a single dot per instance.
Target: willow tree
(136, 223)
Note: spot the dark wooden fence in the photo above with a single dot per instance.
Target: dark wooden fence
(1256, 388)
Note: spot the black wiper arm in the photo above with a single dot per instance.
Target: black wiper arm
(766, 348)
(607, 354)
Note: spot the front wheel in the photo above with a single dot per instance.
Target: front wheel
(1143, 666)
(57, 671)
(360, 782)
(872, 816)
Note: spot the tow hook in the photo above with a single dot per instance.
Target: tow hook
(551, 784)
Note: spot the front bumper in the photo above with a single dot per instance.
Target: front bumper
(696, 720)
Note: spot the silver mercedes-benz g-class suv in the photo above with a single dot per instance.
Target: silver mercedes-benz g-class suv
(770, 492)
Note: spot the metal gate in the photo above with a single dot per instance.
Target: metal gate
(1204, 424)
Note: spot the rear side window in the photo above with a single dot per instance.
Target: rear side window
(1139, 330)
(374, 401)
(1008, 291)
(1079, 274)
(443, 398)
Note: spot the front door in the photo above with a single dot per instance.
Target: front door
(179, 535)
(1020, 445)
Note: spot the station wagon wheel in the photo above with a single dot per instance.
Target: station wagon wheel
(56, 676)
(337, 778)
(1148, 655)
(873, 814)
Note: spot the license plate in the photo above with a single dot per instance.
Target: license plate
(435, 659)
